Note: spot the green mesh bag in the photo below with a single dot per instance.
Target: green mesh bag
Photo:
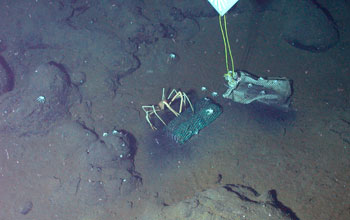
(188, 123)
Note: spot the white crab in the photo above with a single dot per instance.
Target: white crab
(166, 102)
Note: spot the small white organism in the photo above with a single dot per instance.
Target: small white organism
(209, 111)
(41, 99)
(172, 56)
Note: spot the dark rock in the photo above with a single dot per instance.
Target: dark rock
(309, 26)
(146, 34)
(26, 207)
(177, 14)
(7, 78)
(34, 109)
(168, 31)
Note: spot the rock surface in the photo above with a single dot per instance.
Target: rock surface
(35, 108)
(309, 26)
(101, 169)
(227, 203)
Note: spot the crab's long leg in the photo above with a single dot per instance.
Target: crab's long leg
(186, 98)
(181, 101)
(163, 94)
(171, 109)
(149, 111)
(178, 94)
(149, 121)
(155, 112)
(175, 97)
(172, 91)
(146, 108)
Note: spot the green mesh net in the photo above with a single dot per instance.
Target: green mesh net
(188, 123)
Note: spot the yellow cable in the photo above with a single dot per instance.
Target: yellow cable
(227, 45)
(223, 38)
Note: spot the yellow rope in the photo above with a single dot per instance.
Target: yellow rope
(225, 38)
(228, 45)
